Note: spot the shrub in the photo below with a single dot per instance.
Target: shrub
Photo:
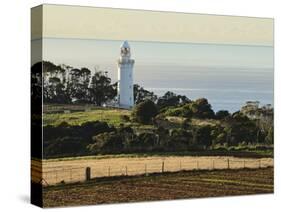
(144, 112)
(64, 124)
(202, 109)
(147, 140)
(125, 118)
(174, 112)
(222, 114)
(204, 136)
(106, 143)
(186, 124)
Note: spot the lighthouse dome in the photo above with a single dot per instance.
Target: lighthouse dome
(125, 45)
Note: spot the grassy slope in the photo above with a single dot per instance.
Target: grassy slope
(191, 184)
(112, 116)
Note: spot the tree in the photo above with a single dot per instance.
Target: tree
(140, 94)
(202, 109)
(204, 135)
(270, 136)
(186, 124)
(101, 89)
(179, 140)
(53, 83)
(240, 129)
(77, 85)
(36, 85)
(147, 141)
(171, 99)
(106, 143)
(144, 112)
(222, 114)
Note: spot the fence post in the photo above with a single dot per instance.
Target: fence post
(88, 173)
(180, 165)
(162, 166)
(126, 171)
(56, 176)
(197, 165)
(213, 164)
(70, 174)
(228, 163)
(244, 164)
(145, 170)
(259, 163)
(109, 171)
(46, 175)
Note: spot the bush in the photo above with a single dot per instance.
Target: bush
(174, 112)
(147, 141)
(222, 114)
(186, 124)
(198, 109)
(64, 146)
(106, 143)
(66, 140)
(64, 124)
(144, 112)
(204, 135)
(125, 118)
(202, 109)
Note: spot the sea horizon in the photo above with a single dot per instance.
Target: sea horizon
(218, 98)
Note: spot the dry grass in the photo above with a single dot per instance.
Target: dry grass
(56, 171)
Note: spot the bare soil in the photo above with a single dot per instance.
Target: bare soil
(167, 186)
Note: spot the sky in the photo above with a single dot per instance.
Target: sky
(140, 25)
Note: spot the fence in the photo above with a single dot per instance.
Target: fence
(66, 174)
(64, 108)
(68, 108)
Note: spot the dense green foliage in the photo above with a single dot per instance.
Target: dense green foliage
(171, 99)
(65, 140)
(145, 111)
(236, 132)
(199, 108)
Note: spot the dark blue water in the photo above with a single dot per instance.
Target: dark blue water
(225, 88)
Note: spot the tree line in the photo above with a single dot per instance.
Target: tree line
(63, 84)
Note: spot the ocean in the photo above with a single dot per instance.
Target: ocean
(225, 90)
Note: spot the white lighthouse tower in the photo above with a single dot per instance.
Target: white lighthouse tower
(125, 77)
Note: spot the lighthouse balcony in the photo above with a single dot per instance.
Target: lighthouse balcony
(126, 61)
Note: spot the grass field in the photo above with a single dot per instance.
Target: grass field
(111, 116)
(180, 185)
(69, 171)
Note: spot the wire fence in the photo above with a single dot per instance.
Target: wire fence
(62, 174)
(68, 108)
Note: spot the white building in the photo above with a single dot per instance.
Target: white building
(125, 77)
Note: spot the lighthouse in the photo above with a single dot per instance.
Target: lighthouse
(125, 77)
